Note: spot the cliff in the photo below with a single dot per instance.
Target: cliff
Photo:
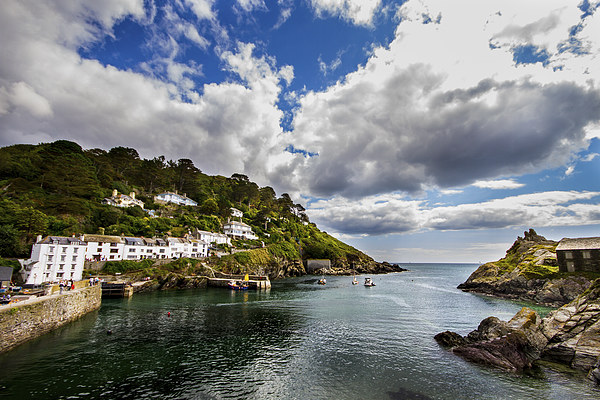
(528, 272)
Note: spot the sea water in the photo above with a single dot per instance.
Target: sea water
(299, 340)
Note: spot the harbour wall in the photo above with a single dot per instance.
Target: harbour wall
(29, 319)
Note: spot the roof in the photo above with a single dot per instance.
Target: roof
(62, 240)
(237, 223)
(6, 273)
(134, 240)
(590, 243)
(102, 238)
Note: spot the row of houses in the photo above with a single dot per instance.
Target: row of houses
(55, 258)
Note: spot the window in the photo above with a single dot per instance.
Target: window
(112, 257)
(64, 249)
(74, 258)
(63, 258)
(50, 257)
(49, 266)
(61, 267)
(568, 254)
(59, 275)
(161, 251)
(75, 250)
(73, 266)
(114, 250)
(586, 254)
(131, 250)
(51, 249)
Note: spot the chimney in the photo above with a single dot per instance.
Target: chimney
(114, 193)
(38, 239)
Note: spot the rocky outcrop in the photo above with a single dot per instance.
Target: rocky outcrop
(528, 272)
(512, 345)
(569, 336)
(573, 333)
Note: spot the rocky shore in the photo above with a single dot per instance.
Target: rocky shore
(569, 336)
(529, 272)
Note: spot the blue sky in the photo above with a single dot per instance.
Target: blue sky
(419, 130)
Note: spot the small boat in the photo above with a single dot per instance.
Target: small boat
(237, 285)
(354, 280)
(322, 281)
(369, 282)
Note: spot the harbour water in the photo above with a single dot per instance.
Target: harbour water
(299, 340)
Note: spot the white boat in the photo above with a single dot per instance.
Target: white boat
(369, 282)
(354, 280)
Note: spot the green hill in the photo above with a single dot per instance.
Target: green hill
(57, 189)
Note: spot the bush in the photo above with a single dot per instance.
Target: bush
(113, 267)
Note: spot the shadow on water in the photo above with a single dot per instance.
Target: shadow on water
(406, 394)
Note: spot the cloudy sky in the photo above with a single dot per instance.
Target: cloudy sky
(419, 130)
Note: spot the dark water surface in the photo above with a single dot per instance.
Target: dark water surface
(297, 341)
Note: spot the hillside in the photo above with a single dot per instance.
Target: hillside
(57, 189)
(529, 272)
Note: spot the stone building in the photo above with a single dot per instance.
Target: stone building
(581, 254)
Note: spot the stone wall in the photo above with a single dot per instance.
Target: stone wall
(32, 318)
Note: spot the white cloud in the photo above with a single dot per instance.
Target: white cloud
(441, 107)
(498, 184)
(359, 12)
(386, 214)
(202, 8)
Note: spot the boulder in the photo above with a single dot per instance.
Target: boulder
(512, 345)
(450, 339)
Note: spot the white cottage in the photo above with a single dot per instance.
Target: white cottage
(54, 258)
(239, 230)
(169, 197)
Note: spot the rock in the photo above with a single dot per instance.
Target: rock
(450, 339)
(490, 328)
(573, 332)
(512, 345)
(507, 352)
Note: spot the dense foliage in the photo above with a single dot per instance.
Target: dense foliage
(57, 189)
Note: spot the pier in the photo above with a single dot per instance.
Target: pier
(255, 281)
(116, 289)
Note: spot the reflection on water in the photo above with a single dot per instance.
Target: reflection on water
(299, 340)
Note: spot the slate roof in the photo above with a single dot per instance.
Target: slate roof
(6, 274)
(590, 243)
(62, 240)
(134, 241)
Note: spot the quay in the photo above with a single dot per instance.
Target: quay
(116, 289)
(255, 281)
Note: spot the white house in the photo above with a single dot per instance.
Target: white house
(198, 248)
(104, 247)
(54, 258)
(169, 197)
(238, 229)
(235, 213)
(122, 200)
(213, 237)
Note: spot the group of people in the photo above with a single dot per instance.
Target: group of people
(94, 281)
(5, 299)
(69, 285)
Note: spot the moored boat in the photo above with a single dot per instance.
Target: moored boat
(369, 282)
(238, 285)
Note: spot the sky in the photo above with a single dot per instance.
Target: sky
(416, 131)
